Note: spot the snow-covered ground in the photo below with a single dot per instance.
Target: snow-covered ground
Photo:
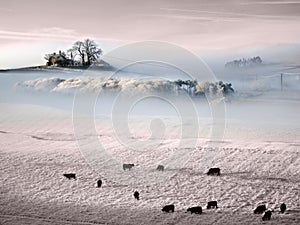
(259, 159)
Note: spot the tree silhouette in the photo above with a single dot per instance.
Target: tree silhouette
(78, 49)
(91, 50)
(87, 50)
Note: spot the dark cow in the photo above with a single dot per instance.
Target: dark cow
(128, 166)
(168, 208)
(214, 171)
(212, 204)
(70, 176)
(160, 168)
(260, 209)
(267, 215)
(282, 208)
(136, 195)
(196, 210)
(99, 183)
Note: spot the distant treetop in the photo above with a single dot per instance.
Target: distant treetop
(241, 63)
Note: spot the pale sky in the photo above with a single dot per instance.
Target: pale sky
(31, 28)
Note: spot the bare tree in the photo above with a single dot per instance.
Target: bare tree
(91, 50)
(87, 50)
(78, 49)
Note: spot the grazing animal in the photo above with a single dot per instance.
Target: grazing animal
(128, 166)
(160, 168)
(214, 171)
(168, 208)
(136, 195)
(70, 176)
(282, 208)
(212, 204)
(99, 183)
(267, 215)
(260, 209)
(196, 210)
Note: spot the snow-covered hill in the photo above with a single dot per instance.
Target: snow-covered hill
(259, 164)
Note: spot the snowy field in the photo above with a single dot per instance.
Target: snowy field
(259, 159)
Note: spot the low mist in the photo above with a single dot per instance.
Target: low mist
(265, 97)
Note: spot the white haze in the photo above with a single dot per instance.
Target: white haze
(258, 100)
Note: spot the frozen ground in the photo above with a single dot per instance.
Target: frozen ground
(37, 146)
(259, 159)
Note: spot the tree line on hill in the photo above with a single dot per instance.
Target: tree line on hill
(241, 63)
(82, 53)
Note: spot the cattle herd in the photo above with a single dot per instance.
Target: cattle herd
(260, 209)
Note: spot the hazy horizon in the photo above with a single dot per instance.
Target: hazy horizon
(32, 28)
